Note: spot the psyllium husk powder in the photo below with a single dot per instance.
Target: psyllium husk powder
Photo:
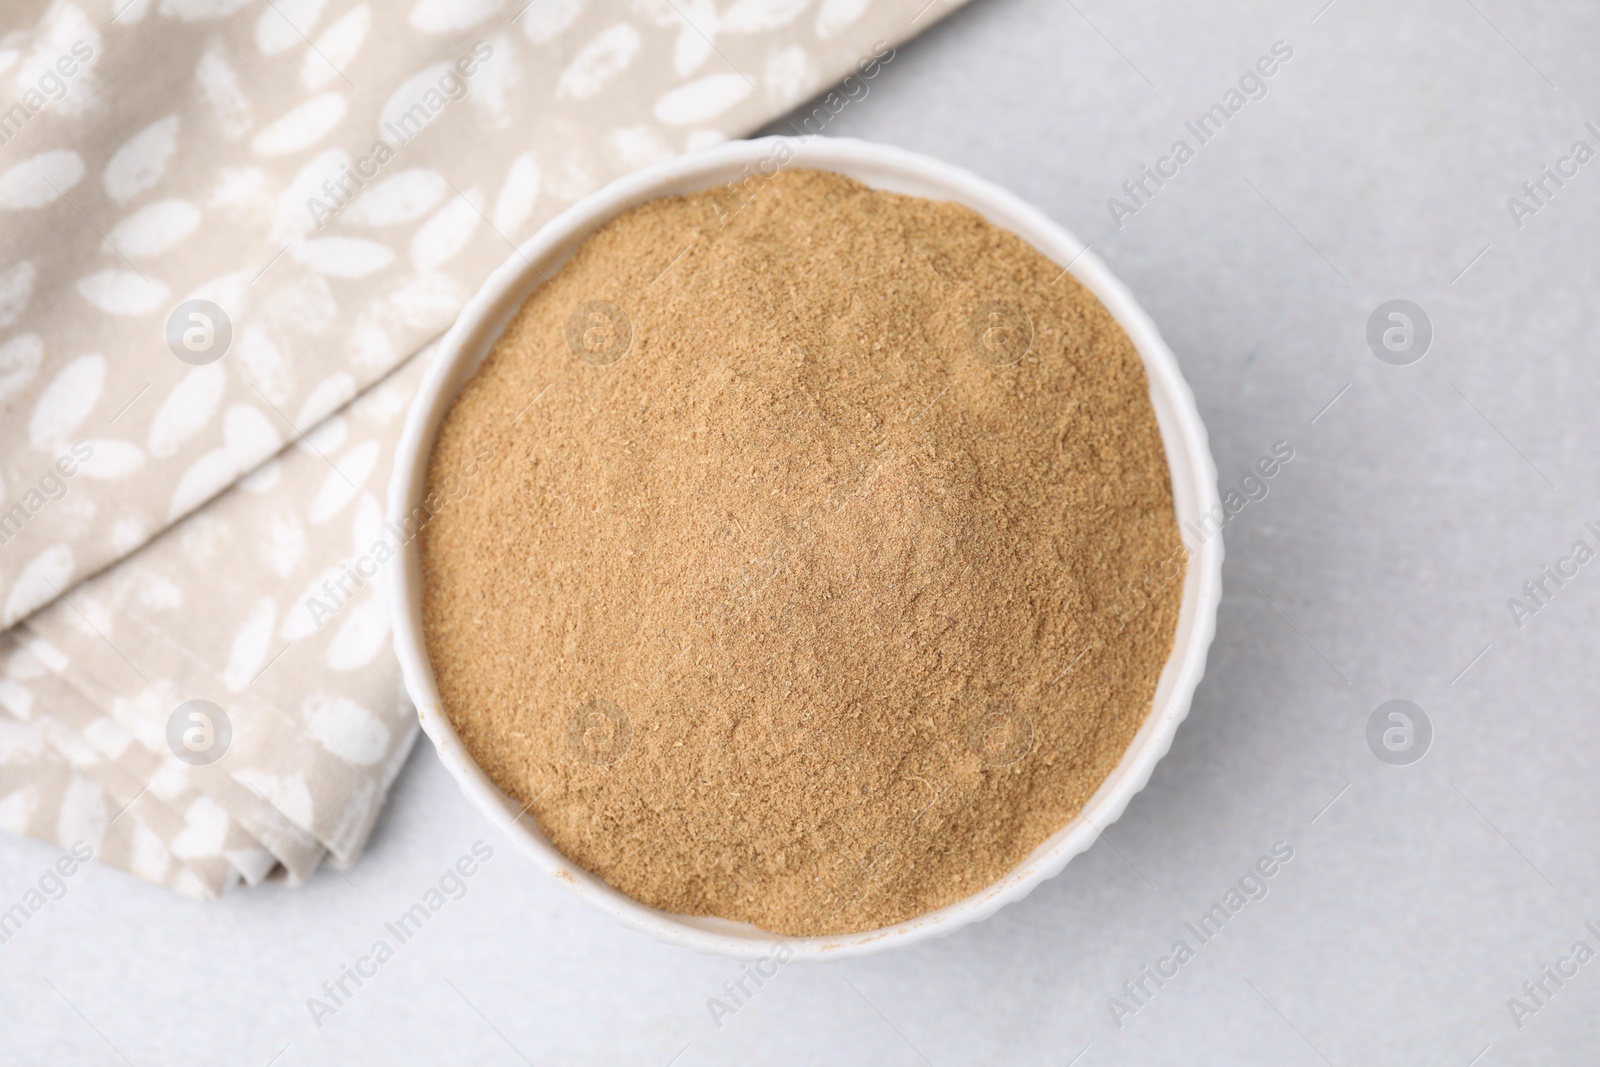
(805, 558)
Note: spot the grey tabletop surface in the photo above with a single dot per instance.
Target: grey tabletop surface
(1444, 864)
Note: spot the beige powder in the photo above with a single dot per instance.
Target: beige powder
(805, 559)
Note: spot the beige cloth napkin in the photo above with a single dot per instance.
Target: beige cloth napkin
(335, 179)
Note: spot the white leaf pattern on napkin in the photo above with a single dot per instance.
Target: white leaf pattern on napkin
(213, 536)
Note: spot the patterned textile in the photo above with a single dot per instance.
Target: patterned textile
(228, 232)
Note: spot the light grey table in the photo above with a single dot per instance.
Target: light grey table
(1421, 498)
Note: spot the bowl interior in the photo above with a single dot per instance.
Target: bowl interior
(1183, 435)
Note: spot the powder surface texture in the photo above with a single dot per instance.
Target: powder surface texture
(804, 556)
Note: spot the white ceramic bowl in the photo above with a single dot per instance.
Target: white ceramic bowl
(1194, 490)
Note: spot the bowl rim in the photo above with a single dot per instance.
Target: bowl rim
(483, 319)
